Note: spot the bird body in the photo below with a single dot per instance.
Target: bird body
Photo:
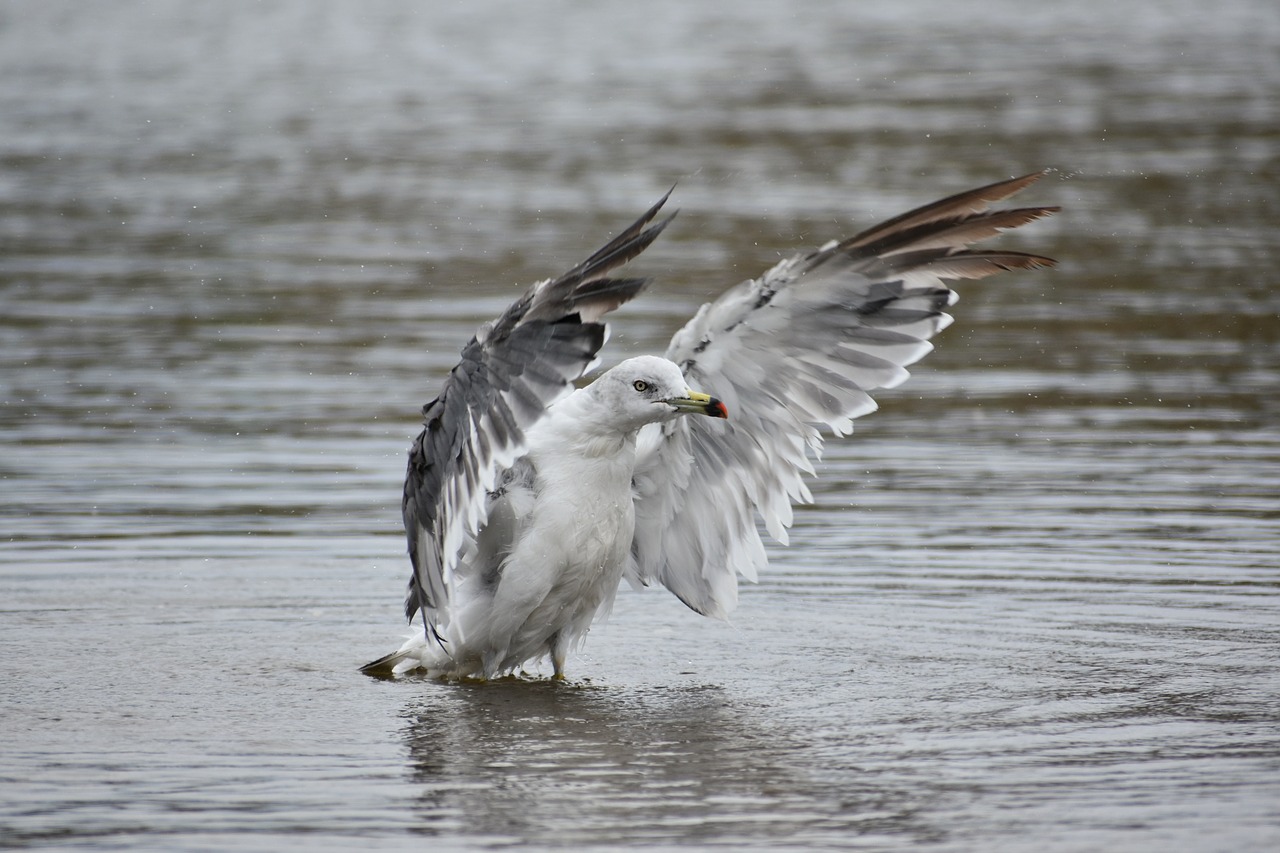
(579, 531)
(526, 502)
(556, 541)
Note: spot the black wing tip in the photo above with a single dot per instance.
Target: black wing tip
(1039, 262)
(624, 247)
(624, 288)
(1008, 261)
(384, 668)
(657, 205)
(635, 235)
(968, 208)
(587, 287)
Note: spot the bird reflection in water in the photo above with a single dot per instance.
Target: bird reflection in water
(514, 760)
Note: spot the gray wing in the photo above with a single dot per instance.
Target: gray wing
(510, 372)
(796, 349)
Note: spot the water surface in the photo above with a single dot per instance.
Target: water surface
(1036, 602)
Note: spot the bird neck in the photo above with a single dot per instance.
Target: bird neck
(574, 427)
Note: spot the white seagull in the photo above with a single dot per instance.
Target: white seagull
(526, 502)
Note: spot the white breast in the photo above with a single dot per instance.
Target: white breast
(568, 563)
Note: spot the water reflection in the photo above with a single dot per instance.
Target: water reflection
(525, 761)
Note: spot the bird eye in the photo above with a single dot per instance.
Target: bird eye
(640, 385)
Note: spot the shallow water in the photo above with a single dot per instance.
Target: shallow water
(1036, 604)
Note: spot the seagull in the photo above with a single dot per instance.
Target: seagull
(528, 500)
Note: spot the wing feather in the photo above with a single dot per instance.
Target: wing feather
(509, 373)
(799, 348)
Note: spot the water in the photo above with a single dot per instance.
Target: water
(1036, 604)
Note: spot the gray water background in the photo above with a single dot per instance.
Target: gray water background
(1035, 605)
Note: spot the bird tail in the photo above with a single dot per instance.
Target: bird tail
(385, 667)
(414, 654)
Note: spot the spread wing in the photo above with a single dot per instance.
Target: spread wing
(511, 371)
(798, 348)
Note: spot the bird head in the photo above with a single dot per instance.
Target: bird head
(647, 390)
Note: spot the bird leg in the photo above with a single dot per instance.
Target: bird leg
(559, 646)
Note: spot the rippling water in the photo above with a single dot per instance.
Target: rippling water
(1036, 604)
